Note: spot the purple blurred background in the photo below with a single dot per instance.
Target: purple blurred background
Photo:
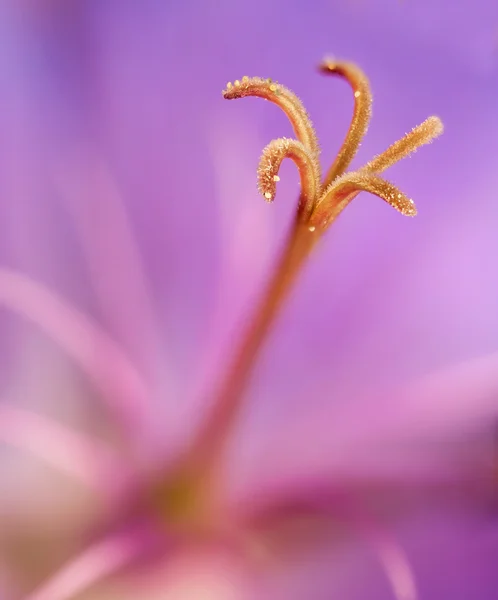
(115, 105)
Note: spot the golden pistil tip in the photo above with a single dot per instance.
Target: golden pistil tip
(327, 64)
(435, 125)
(404, 205)
(269, 164)
(249, 86)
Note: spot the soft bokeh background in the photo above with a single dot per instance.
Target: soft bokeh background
(111, 105)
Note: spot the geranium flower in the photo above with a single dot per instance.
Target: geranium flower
(187, 503)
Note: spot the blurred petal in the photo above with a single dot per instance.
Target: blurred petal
(95, 563)
(393, 561)
(439, 428)
(92, 197)
(205, 574)
(84, 458)
(98, 355)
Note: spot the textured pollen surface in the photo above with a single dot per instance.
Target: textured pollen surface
(339, 194)
(269, 165)
(420, 135)
(281, 96)
(362, 113)
(321, 202)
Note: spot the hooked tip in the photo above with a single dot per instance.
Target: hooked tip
(327, 64)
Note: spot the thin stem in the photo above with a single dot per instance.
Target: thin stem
(228, 399)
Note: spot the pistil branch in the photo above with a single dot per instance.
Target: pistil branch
(300, 243)
(361, 115)
(319, 206)
(340, 193)
(269, 165)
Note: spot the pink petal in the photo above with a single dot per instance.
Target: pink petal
(82, 457)
(439, 428)
(86, 343)
(390, 554)
(94, 564)
(111, 251)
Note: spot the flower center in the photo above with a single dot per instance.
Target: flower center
(183, 501)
